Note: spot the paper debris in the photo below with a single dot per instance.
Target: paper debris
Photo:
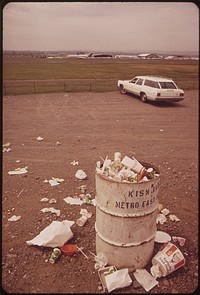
(54, 235)
(58, 143)
(118, 279)
(52, 201)
(44, 200)
(180, 240)
(145, 279)
(160, 218)
(73, 201)
(80, 174)
(74, 163)
(39, 138)
(173, 217)
(161, 130)
(165, 211)
(14, 218)
(53, 182)
(85, 212)
(101, 261)
(58, 179)
(6, 150)
(18, 171)
(52, 210)
(6, 145)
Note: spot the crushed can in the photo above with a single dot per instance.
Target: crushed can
(54, 255)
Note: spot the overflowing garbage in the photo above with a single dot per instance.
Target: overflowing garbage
(57, 234)
(125, 170)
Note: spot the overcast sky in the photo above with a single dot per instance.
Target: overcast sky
(107, 26)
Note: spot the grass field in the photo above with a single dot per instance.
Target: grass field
(23, 75)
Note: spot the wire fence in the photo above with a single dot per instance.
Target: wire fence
(21, 87)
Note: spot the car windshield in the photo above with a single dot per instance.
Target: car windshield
(167, 85)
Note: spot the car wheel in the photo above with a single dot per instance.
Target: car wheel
(122, 89)
(143, 97)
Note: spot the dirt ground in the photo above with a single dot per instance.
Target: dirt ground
(89, 125)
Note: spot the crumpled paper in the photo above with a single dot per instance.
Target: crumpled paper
(118, 279)
(54, 235)
(160, 218)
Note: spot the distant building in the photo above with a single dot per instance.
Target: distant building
(101, 55)
(149, 56)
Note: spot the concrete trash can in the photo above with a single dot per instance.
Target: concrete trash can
(126, 220)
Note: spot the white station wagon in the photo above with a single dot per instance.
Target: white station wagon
(152, 88)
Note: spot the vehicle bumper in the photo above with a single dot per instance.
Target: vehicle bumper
(170, 99)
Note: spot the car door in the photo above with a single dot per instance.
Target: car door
(131, 84)
(136, 88)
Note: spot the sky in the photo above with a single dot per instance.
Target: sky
(101, 26)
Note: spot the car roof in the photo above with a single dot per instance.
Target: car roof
(155, 78)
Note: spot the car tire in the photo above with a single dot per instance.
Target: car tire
(122, 89)
(143, 97)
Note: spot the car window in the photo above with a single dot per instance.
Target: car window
(151, 83)
(139, 82)
(134, 80)
(167, 85)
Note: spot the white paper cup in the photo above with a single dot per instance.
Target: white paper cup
(169, 258)
(82, 220)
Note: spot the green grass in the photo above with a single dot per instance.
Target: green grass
(17, 69)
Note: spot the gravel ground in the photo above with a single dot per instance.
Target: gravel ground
(82, 127)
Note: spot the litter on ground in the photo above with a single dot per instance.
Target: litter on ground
(18, 171)
(80, 174)
(147, 281)
(39, 138)
(180, 240)
(162, 237)
(52, 210)
(73, 201)
(54, 235)
(118, 279)
(173, 217)
(160, 218)
(14, 218)
(74, 163)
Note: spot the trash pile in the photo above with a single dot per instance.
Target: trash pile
(125, 170)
